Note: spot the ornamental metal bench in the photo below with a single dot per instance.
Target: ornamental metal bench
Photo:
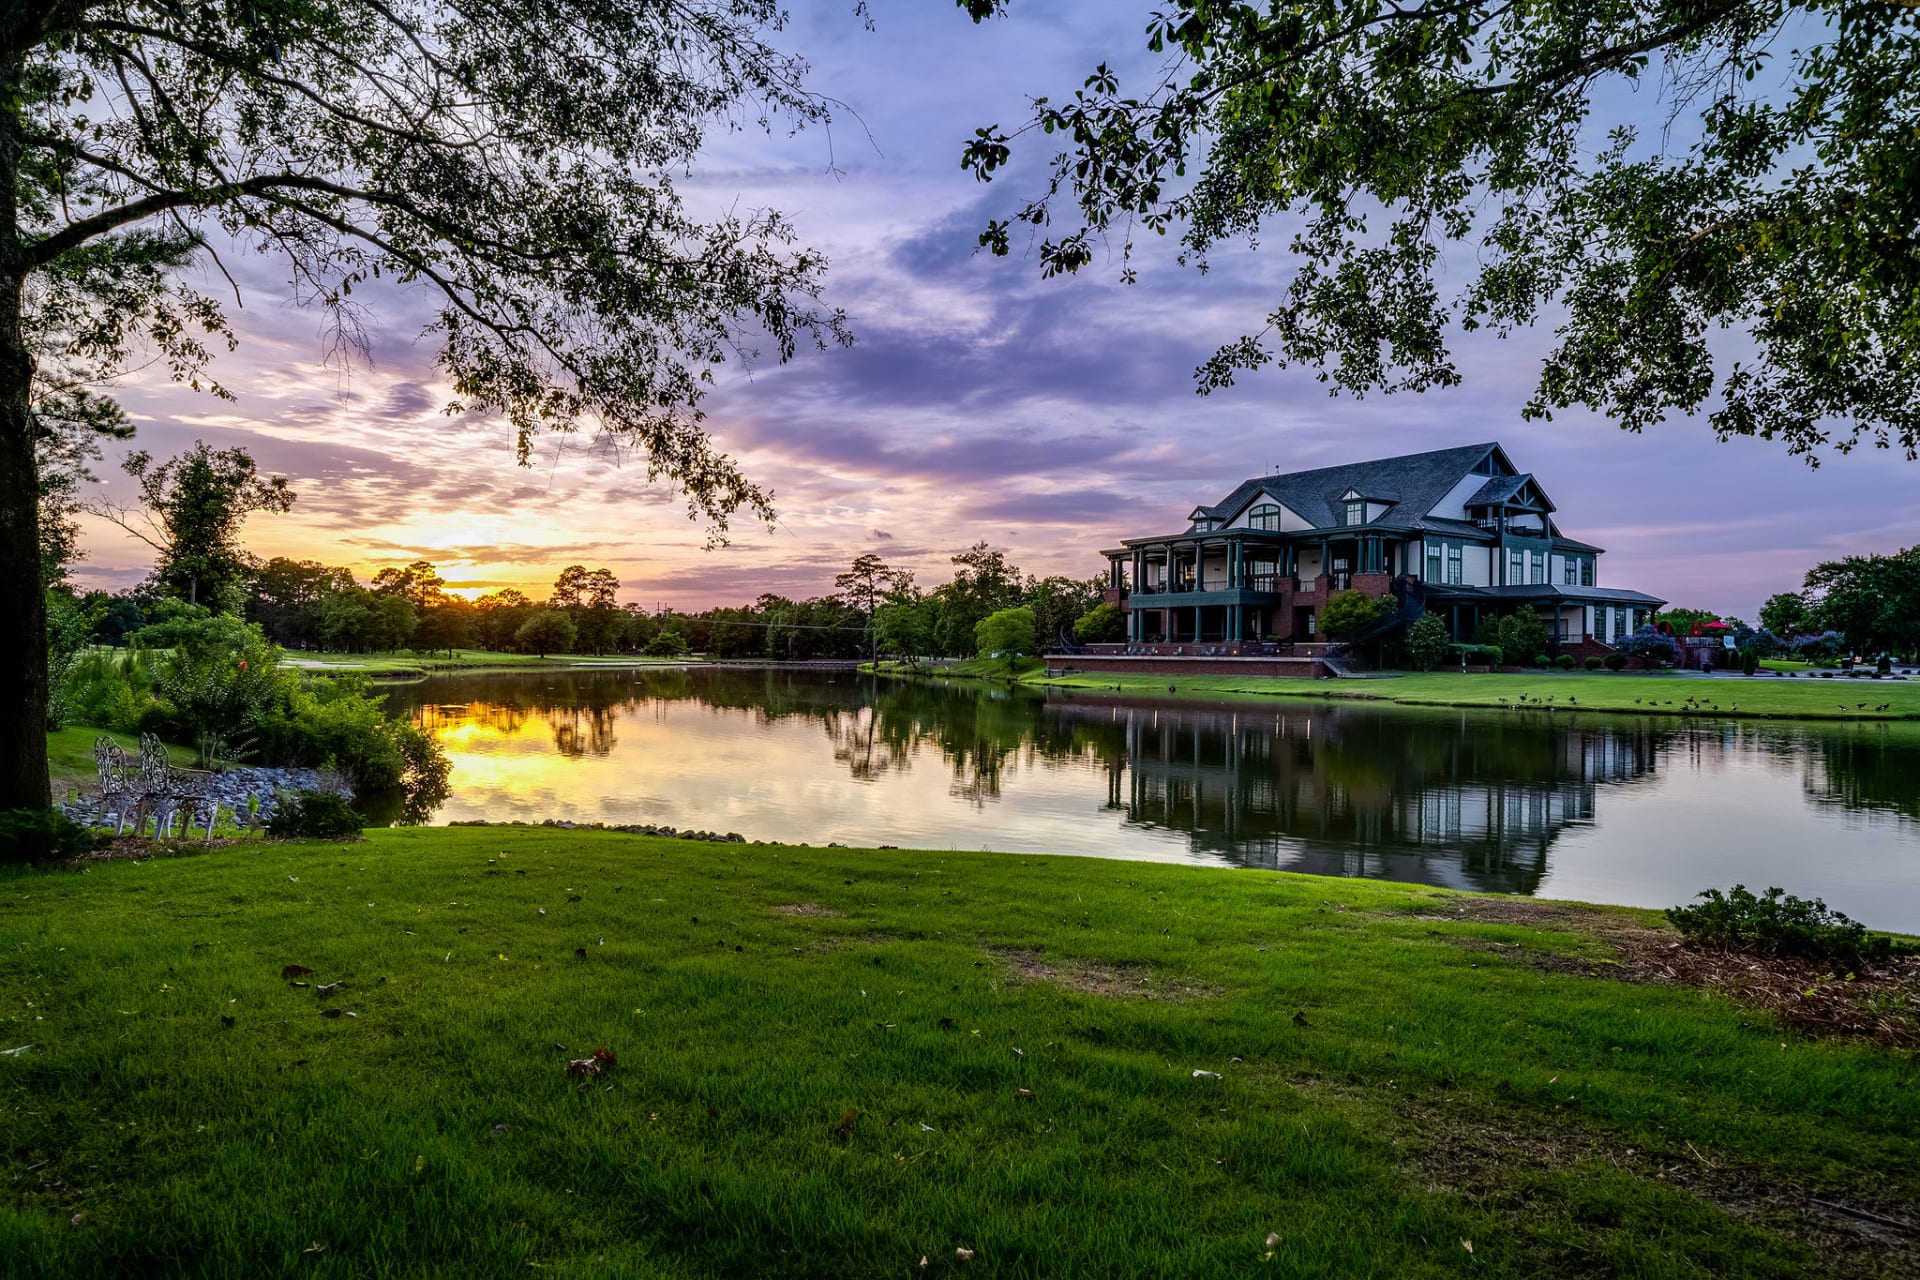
(155, 789)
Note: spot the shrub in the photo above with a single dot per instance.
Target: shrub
(667, 644)
(1474, 655)
(1101, 624)
(1566, 662)
(1649, 643)
(1616, 661)
(1351, 612)
(1592, 662)
(1426, 642)
(1523, 638)
(1884, 666)
(313, 815)
(35, 835)
(1749, 662)
(1778, 924)
(1007, 633)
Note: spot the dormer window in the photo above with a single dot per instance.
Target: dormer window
(1265, 516)
(1354, 512)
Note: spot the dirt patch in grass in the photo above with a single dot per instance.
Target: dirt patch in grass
(1881, 1005)
(1456, 1146)
(1090, 977)
(810, 910)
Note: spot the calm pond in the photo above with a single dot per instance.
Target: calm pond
(1616, 809)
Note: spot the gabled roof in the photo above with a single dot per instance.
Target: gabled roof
(1502, 489)
(1418, 481)
(1498, 489)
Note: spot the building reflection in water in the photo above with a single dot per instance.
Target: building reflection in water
(1456, 799)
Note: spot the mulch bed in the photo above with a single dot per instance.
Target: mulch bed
(1881, 1004)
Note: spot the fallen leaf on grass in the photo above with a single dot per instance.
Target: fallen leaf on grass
(1466, 1244)
(848, 1118)
(581, 952)
(315, 1247)
(945, 1024)
(606, 1057)
(295, 971)
(14, 1053)
(1299, 1019)
(1025, 1095)
(1206, 1075)
(226, 1019)
(965, 1255)
(1273, 1238)
(77, 1218)
(573, 897)
(328, 988)
(330, 1013)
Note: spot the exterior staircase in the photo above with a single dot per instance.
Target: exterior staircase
(1413, 603)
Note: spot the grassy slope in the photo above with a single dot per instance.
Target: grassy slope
(436, 1129)
(1769, 696)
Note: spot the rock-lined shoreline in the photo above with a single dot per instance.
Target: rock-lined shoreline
(632, 829)
(231, 789)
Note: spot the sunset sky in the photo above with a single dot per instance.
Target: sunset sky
(1049, 418)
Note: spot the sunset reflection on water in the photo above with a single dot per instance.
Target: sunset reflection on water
(1615, 809)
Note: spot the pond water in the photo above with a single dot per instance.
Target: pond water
(1641, 811)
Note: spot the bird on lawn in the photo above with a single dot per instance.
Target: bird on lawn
(1858, 705)
(1883, 706)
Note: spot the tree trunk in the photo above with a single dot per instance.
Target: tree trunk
(23, 600)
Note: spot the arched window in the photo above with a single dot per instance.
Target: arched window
(1265, 516)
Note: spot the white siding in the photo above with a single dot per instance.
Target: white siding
(1454, 505)
(1479, 562)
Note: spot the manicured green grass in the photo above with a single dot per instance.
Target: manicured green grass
(1777, 697)
(471, 660)
(835, 1062)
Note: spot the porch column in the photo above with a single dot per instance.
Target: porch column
(1233, 622)
(1199, 578)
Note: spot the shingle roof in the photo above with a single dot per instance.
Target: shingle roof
(1498, 489)
(1451, 528)
(1419, 479)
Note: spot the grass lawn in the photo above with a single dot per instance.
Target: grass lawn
(414, 664)
(837, 1062)
(1777, 697)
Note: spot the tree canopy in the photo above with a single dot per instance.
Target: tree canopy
(1780, 200)
(514, 160)
(192, 507)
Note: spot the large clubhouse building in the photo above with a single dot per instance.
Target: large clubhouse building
(1460, 533)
